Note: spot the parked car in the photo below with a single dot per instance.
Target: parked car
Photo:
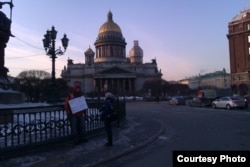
(177, 100)
(228, 102)
(165, 98)
(200, 102)
(247, 100)
(148, 98)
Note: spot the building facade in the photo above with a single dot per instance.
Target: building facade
(217, 80)
(108, 68)
(239, 51)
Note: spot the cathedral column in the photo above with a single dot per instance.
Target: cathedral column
(98, 53)
(95, 85)
(109, 51)
(118, 86)
(106, 51)
(132, 86)
(115, 50)
(105, 85)
(135, 87)
(124, 85)
(129, 86)
(103, 51)
(101, 85)
(113, 85)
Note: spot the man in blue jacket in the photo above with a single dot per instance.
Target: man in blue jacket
(106, 110)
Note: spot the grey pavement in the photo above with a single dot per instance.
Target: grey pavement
(134, 134)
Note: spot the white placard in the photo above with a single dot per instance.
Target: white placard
(78, 104)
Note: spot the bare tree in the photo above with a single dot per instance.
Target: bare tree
(39, 74)
(36, 85)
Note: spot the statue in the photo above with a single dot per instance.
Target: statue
(5, 23)
(5, 33)
(6, 96)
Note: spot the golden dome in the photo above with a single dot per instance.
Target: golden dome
(110, 25)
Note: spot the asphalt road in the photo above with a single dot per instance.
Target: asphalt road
(189, 128)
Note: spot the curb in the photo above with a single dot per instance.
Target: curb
(130, 150)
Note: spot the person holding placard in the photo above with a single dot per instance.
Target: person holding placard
(75, 117)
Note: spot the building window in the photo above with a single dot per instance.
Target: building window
(248, 26)
(217, 83)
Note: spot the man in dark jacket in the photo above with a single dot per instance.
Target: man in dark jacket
(105, 116)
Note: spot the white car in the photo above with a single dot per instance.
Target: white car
(228, 102)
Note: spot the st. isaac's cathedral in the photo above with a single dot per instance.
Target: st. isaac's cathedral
(108, 68)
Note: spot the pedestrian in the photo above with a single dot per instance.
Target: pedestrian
(157, 99)
(105, 116)
(77, 121)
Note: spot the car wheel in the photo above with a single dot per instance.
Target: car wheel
(214, 106)
(228, 107)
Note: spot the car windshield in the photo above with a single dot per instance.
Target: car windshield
(235, 98)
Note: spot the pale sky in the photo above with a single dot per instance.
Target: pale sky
(187, 37)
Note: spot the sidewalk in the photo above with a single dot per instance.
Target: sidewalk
(134, 134)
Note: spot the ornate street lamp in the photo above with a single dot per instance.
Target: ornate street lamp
(49, 46)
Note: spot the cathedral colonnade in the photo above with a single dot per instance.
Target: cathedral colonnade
(118, 86)
(109, 51)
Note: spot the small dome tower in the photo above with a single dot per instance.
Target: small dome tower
(136, 54)
(89, 56)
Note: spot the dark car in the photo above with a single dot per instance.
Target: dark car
(177, 100)
(247, 100)
(149, 98)
(200, 102)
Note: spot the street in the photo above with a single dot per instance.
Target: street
(188, 128)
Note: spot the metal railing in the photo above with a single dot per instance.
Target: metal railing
(26, 127)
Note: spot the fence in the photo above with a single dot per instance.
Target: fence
(22, 128)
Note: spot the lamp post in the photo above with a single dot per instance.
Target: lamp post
(224, 78)
(49, 46)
